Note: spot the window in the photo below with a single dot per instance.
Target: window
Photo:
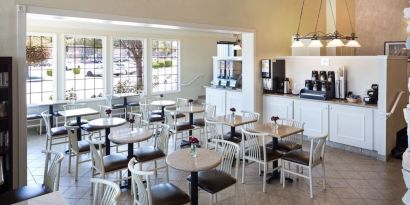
(128, 65)
(83, 67)
(41, 63)
(165, 65)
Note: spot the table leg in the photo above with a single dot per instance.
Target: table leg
(194, 188)
(162, 111)
(107, 142)
(79, 128)
(51, 112)
(130, 156)
(125, 105)
(191, 122)
(233, 133)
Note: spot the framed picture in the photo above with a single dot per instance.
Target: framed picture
(395, 48)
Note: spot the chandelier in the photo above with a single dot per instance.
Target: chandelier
(335, 39)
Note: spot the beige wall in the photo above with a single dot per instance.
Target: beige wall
(378, 21)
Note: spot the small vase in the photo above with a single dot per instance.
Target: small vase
(193, 150)
(275, 126)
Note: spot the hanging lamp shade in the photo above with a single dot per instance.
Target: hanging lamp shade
(297, 44)
(353, 44)
(315, 44)
(237, 47)
(335, 43)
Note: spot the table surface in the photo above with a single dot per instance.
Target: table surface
(48, 103)
(121, 95)
(126, 136)
(182, 160)
(188, 109)
(163, 103)
(53, 198)
(107, 122)
(78, 112)
(233, 121)
(282, 131)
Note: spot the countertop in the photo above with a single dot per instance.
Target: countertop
(220, 88)
(333, 101)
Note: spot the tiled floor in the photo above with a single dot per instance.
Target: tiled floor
(351, 179)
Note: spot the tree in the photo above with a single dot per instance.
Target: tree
(135, 50)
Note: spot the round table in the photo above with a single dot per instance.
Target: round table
(130, 136)
(205, 160)
(107, 124)
(163, 104)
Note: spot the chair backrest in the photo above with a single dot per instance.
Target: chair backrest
(181, 102)
(213, 130)
(161, 142)
(108, 100)
(144, 109)
(252, 116)
(210, 111)
(296, 138)
(73, 106)
(171, 119)
(137, 117)
(46, 117)
(229, 152)
(142, 194)
(252, 144)
(72, 137)
(97, 155)
(105, 192)
(317, 149)
(52, 170)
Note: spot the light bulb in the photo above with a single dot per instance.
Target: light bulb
(315, 44)
(297, 44)
(237, 47)
(353, 44)
(335, 43)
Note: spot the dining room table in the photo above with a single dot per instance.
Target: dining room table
(107, 123)
(163, 103)
(282, 131)
(50, 105)
(78, 114)
(233, 121)
(204, 160)
(130, 136)
(53, 198)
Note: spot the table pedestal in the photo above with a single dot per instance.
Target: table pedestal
(194, 188)
(107, 141)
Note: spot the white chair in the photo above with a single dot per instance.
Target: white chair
(216, 180)
(35, 118)
(307, 160)
(118, 109)
(73, 121)
(252, 116)
(160, 194)
(53, 133)
(209, 113)
(147, 118)
(156, 152)
(77, 148)
(51, 181)
(105, 192)
(177, 127)
(256, 151)
(293, 142)
(213, 130)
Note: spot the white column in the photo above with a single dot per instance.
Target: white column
(249, 78)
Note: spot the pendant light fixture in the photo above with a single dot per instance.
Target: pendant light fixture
(238, 43)
(335, 39)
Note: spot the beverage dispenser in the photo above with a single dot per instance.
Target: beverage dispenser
(273, 75)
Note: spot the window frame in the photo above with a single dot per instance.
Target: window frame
(54, 37)
(178, 68)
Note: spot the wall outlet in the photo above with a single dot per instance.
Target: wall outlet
(324, 61)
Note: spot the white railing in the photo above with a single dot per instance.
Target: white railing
(396, 102)
(191, 81)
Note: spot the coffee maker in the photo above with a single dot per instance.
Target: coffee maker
(273, 75)
(321, 86)
(373, 95)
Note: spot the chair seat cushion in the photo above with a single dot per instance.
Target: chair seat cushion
(180, 115)
(199, 122)
(168, 194)
(156, 118)
(182, 126)
(118, 106)
(83, 146)
(297, 156)
(147, 153)
(23, 193)
(133, 104)
(55, 113)
(158, 112)
(214, 180)
(74, 122)
(33, 117)
(235, 139)
(288, 146)
(114, 162)
(270, 154)
(89, 128)
(57, 131)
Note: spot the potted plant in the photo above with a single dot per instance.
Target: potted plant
(77, 70)
(50, 72)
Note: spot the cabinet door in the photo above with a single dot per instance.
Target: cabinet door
(216, 97)
(234, 99)
(277, 106)
(315, 115)
(351, 126)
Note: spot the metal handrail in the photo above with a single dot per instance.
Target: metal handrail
(190, 82)
(396, 102)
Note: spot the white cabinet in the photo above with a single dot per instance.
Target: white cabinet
(351, 126)
(277, 106)
(315, 115)
(216, 97)
(234, 99)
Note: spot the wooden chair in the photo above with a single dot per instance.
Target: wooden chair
(216, 180)
(50, 184)
(307, 160)
(159, 194)
(256, 151)
(53, 133)
(105, 192)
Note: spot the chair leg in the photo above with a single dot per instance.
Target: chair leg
(310, 182)
(264, 177)
(243, 170)
(211, 199)
(41, 127)
(69, 161)
(324, 175)
(166, 173)
(283, 174)
(76, 166)
(155, 168)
